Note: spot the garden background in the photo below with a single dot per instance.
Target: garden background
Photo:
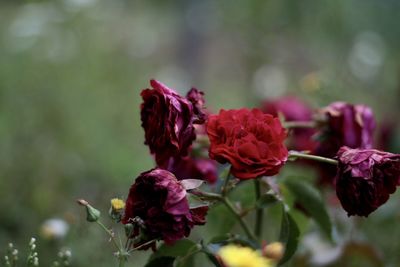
(71, 72)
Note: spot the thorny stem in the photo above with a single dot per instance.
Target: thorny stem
(259, 211)
(299, 155)
(121, 252)
(143, 245)
(229, 205)
(245, 227)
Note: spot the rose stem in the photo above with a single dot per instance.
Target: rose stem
(299, 124)
(245, 227)
(224, 189)
(259, 211)
(299, 155)
(229, 205)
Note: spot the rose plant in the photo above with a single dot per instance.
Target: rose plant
(244, 146)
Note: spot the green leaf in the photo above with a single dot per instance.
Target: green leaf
(161, 262)
(289, 236)
(179, 248)
(230, 238)
(308, 197)
(266, 200)
(211, 256)
(221, 238)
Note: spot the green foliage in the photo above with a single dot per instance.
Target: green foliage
(289, 235)
(179, 248)
(179, 252)
(309, 198)
(266, 200)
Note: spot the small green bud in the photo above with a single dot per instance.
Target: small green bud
(92, 214)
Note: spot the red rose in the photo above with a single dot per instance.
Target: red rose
(167, 119)
(159, 200)
(365, 179)
(251, 141)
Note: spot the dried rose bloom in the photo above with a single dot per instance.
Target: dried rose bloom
(347, 125)
(365, 179)
(167, 119)
(159, 200)
(197, 98)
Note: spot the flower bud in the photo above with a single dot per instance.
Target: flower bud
(274, 251)
(236, 256)
(92, 214)
(116, 209)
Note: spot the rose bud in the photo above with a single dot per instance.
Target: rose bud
(159, 202)
(293, 109)
(347, 125)
(196, 97)
(365, 179)
(251, 141)
(167, 119)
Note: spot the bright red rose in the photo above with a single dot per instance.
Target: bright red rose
(167, 119)
(159, 200)
(365, 179)
(251, 141)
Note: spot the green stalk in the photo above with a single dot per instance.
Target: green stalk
(121, 254)
(259, 210)
(245, 227)
(298, 155)
(224, 189)
(229, 205)
(299, 124)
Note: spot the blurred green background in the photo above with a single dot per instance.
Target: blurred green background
(71, 72)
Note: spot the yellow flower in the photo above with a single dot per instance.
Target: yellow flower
(236, 256)
(117, 204)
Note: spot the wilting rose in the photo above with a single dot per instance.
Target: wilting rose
(293, 109)
(159, 200)
(365, 179)
(167, 119)
(251, 141)
(347, 125)
(196, 97)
